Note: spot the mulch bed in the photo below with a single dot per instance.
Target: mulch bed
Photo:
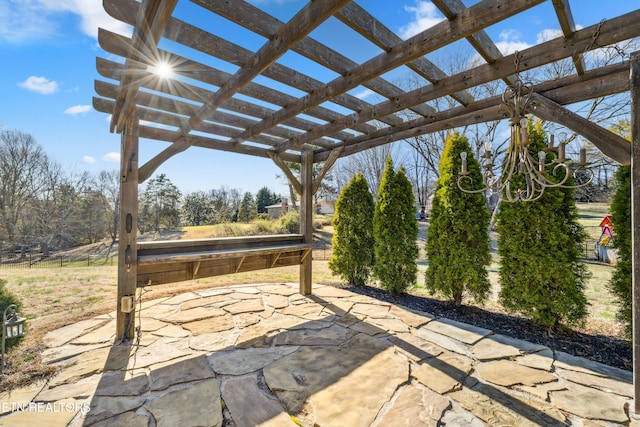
(599, 348)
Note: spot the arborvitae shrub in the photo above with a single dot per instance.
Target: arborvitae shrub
(540, 245)
(352, 241)
(395, 230)
(457, 238)
(620, 284)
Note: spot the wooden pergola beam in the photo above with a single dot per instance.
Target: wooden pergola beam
(610, 144)
(210, 44)
(375, 31)
(480, 40)
(565, 17)
(297, 186)
(596, 83)
(300, 25)
(634, 83)
(178, 89)
(469, 21)
(612, 31)
(264, 24)
(150, 24)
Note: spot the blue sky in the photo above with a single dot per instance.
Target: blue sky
(48, 50)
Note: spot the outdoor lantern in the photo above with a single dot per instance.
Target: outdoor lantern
(12, 327)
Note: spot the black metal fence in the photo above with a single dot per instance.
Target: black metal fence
(29, 260)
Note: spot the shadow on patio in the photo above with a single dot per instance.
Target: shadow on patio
(275, 357)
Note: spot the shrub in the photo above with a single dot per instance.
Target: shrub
(620, 284)
(289, 222)
(457, 238)
(540, 244)
(395, 231)
(352, 240)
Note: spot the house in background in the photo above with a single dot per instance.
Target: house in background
(324, 206)
(276, 210)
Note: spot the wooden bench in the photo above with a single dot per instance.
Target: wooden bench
(170, 261)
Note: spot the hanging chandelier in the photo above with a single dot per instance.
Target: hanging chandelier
(525, 177)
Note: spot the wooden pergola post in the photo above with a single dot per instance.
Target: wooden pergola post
(635, 220)
(127, 248)
(306, 216)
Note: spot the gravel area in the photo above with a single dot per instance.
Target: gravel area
(608, 350)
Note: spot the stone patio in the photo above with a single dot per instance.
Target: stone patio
(264, 355)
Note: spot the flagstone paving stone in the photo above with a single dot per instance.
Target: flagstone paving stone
(501, 347)
(212, 300)
(540, 360)
(60, 417)
(246, 306)
(444, 373)
(508, 373)
(605, 384)
(463, 332)
(104, 407)
(415, 348)
(334, 358)
(240, 362)
(199, 404)
(20, 396)
(415, 406)
(411, 318)
(213, 324)
(590, 403)
(69, 333)
(250, 407)
(166, 374)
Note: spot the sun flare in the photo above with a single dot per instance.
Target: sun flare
(162, 69)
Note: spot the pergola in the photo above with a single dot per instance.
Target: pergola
(252, 105)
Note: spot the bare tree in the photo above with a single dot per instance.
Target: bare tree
(370, 162)
(108, 183)
(21, 165)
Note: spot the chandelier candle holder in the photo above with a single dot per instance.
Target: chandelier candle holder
(525, 176)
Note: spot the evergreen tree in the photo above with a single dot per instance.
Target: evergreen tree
(247, 209)
(540, 244)
(457, 238)
(264, 198)
(395, 230)
(352, 241)
(620, 284)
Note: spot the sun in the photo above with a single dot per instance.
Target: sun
(162, 69)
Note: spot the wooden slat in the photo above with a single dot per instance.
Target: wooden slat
(119, 45)
(467, 22)
(612, 31)
(188, 92)
(150, 23)
(249, 16)
(300, 25)
(364, 23)
(210, 44)
(480, 40)
(565, 17)
(596, 83)
(634, 83)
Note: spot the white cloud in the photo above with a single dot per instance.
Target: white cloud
(39, 84)
(24, 21)
(88, 159)
(548, 34)
(112, 157)
(510, 42)
(365, 93)
(78, 109)
(426, 15)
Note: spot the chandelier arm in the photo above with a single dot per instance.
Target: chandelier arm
(468, 178)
